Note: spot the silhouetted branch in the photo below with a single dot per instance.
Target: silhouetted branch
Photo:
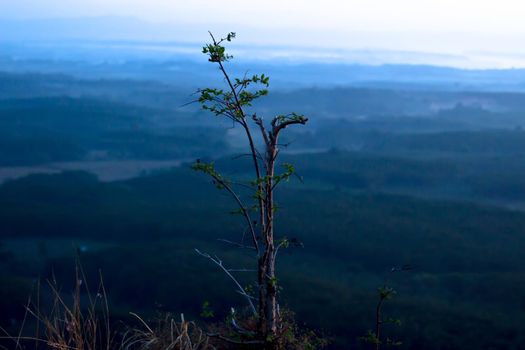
(241, 290)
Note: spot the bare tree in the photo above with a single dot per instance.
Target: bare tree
(233, 103)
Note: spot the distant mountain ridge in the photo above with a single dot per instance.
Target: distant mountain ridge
(121, 47)
(183, 70)
(164, 38)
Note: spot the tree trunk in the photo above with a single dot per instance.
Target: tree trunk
(271, 303)
(268, 307)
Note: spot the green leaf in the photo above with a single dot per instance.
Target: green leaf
(206, 311)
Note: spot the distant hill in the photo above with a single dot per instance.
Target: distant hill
(120, 46)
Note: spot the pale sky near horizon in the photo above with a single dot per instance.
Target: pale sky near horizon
(502, 16)
(440, 26)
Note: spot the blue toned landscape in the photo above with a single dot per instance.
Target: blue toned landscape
(407, 187)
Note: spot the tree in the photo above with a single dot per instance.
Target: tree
(234, 102)
(384, 293)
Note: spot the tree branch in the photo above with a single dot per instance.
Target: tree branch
(247, 130)
(241, 290)
(278, 124)
(260, 123)
(245, 213)
(239, 245)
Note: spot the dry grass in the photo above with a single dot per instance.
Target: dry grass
(167, 335)
(81, 322)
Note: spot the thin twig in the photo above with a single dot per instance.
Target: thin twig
(239, 245)
(243, 209)
(241, 290)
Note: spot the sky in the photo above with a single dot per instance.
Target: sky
(486, 29)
